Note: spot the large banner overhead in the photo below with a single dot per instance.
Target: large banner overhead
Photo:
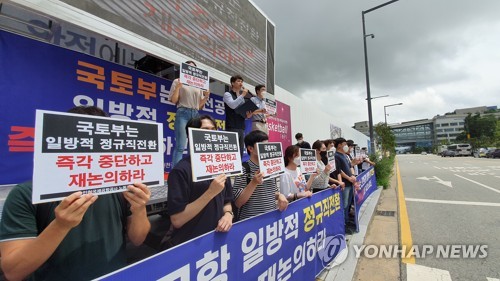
(230, 36)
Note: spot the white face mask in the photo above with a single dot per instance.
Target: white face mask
(334, 150)
(346, 148)
(296, 160)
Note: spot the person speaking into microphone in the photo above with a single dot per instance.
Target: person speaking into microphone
(234, 99)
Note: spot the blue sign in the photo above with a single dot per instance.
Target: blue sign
(36, 75)
(367, 185)
(296, 244)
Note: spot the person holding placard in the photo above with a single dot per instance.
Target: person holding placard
(80, 238)
(259, 116)
(252, 194)
(335, 178)
(196, 208)
(366, 162)
(292, 183)
(321, 181)
(189, 101)
(234, 99)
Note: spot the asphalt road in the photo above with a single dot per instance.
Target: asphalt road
(454, 201)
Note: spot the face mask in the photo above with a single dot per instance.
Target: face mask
(334, 150)
(323, 153)
(346, 148)
(300, 141)
(296, 160)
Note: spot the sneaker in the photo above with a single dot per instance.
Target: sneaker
(349, 231)
(351, 223)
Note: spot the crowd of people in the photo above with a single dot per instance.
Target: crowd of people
(83, 236)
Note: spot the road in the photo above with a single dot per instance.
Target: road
(453, 201)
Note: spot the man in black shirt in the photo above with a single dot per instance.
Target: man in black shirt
(301, 142)
(196, 208)
(344, 167)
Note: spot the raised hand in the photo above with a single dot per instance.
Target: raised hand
(69, 213)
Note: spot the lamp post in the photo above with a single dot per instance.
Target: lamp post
(368, 94)
(372, 98)
(385, 106)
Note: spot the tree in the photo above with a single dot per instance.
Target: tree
(385, 138)
(481, 130)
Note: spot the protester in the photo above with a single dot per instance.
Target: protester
(188, 100)
(292, 183)
(344, 166)
(301, 142)
(252, 194)
(259, 116)
(365, 165)
(196, 208)
(352, 157)
(335, 178)
(79, 238)
(329, 146)
(232, 100)
(320, 182)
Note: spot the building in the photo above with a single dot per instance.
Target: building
(363, 127)
(448, 127)
(427, 133)
(418, 133)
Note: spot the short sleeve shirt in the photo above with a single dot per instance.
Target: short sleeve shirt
(263, 199)
(292, 181)
(93, 248)
(189, 97)
(182, 191)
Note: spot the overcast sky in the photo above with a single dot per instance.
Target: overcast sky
(434, 56)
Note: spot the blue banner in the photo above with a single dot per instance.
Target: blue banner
(367, 185)
(36, 75)
(296, 244)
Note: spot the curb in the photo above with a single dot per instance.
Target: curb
(346, 270)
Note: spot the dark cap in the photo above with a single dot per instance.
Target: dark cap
(350, 143)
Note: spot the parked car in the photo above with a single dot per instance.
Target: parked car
(495, 154)
(449, 153)
(489, 153)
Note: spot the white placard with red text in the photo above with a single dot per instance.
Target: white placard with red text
(331, 159)
(308, 161)
(194, 77)
(271, 161)
(214, 153)
(93, 154)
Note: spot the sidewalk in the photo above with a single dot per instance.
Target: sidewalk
(378, 225)
(384, 230)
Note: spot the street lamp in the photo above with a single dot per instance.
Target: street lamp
(385, 106)
(368, 95)
(372, 98)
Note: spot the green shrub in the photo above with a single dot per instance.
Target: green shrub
(383, 170)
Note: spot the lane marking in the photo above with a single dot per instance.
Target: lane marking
(438, 180)
(404, 223)
(492, 279)
(437, 168)
(454, 202)
(478, 183)
(415, 272)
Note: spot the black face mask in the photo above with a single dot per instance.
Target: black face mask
(323, 154)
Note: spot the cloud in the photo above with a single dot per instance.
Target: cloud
(433, 55)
